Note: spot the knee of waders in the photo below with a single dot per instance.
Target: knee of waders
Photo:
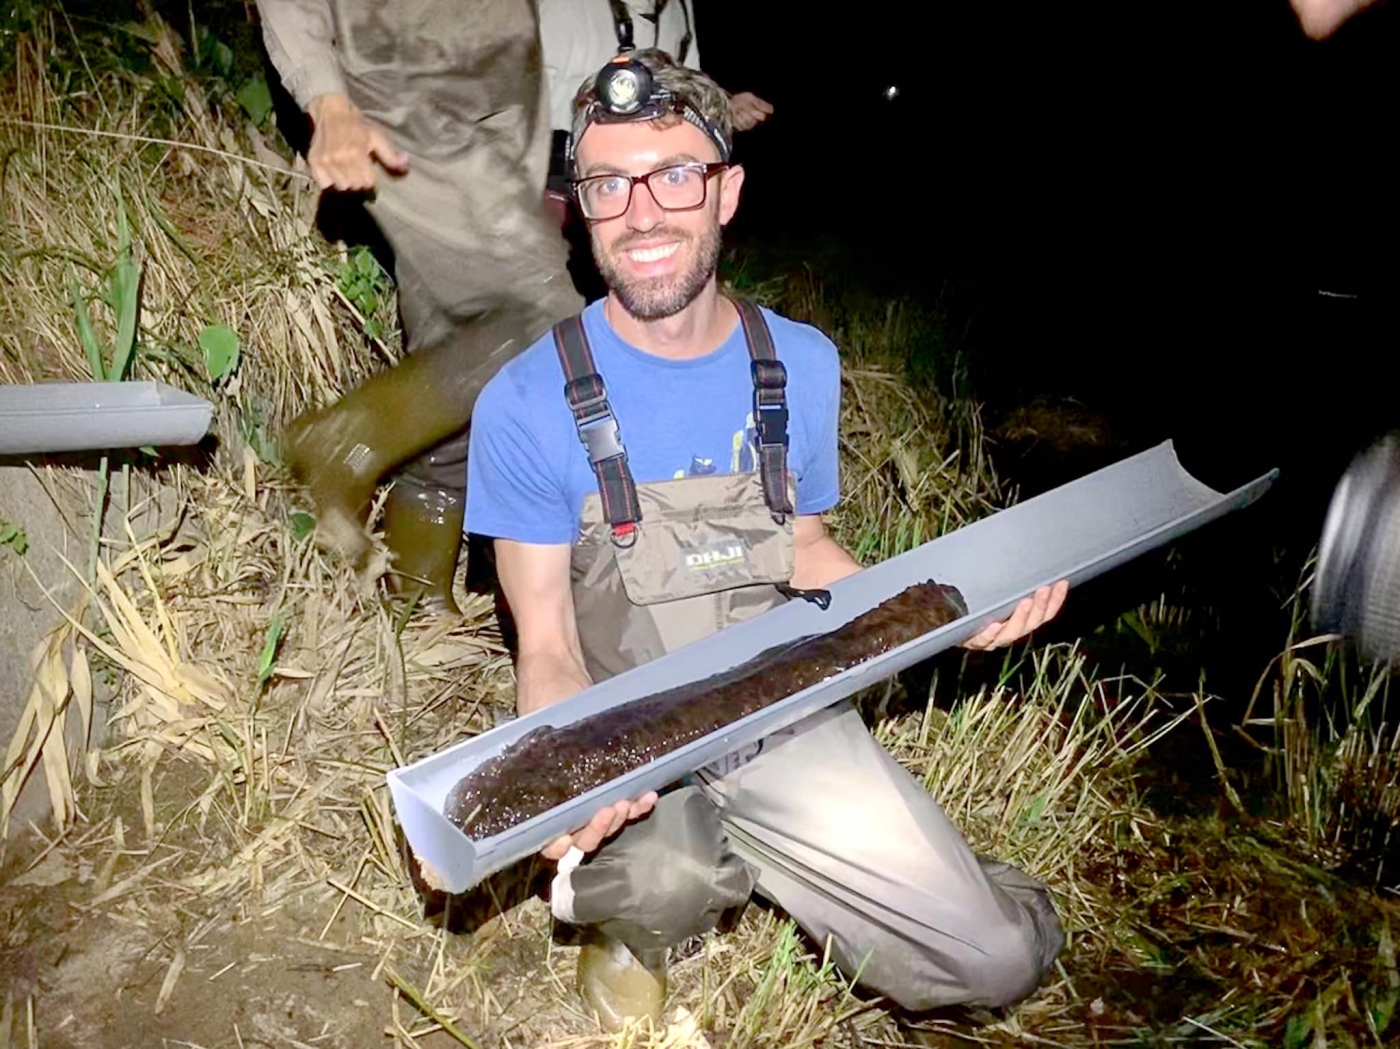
(1011, 967)
(1002, 966)
(663, 879)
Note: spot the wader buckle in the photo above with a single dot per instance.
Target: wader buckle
(820, 598)
(770, 420)
(770, 412)
(602, 439)
(597, 426)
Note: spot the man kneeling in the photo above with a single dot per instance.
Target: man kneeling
(730, 417)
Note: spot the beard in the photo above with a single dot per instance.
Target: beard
(654, 298)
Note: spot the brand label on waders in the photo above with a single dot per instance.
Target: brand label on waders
(725, 554)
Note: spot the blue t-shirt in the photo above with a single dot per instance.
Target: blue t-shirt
(528, 473)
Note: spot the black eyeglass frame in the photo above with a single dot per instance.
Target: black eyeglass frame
(709, 168)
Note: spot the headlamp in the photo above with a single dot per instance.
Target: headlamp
(626, 90)
(624, 87)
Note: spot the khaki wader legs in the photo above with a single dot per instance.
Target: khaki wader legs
(833, 830)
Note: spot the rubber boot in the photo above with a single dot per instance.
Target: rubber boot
(423, 530)
(618, 985)
(341, 468)
(341, 452)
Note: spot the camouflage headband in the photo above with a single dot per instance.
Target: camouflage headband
(646, 85)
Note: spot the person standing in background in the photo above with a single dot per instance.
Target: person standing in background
(437, 112)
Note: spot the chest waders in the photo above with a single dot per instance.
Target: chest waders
(664, 563)
(656, 566)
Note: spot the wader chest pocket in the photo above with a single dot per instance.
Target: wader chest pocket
(703, 535)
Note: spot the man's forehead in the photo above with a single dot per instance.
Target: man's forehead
(638, 146)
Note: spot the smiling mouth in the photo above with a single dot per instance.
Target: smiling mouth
(664, 251)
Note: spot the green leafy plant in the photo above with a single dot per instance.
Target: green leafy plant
(256, 99)
(211, 55)
(252, 424)
(302, 524)
(221, 351)
(13, 537)
(122, 295)
(366, 286)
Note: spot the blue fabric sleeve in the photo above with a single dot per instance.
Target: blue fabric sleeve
(818, 490)
(511, 493)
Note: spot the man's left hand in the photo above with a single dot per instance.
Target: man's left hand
(1032, 612)
(749, 110)
(605, 823)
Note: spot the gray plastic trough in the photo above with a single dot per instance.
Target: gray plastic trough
(1075, 532)
(53, 417)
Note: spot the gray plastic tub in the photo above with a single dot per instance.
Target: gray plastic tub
(1075, 532)
(92, 416)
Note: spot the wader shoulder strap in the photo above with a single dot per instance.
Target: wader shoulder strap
(597, 428)
(626, 38)
(770, 412)
(684, 48)
(622, 25)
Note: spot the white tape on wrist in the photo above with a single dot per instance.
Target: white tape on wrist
(561, 890)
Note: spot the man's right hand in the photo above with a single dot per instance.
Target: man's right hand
(344, 145)
(604, 824)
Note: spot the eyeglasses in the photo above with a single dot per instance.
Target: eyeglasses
(679, 187)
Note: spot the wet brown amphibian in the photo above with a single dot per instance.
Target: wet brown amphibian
(551, 765)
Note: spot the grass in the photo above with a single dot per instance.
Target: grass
(259, 696)
(1333, 748)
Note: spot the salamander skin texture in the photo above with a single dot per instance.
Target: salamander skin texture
(550, 765)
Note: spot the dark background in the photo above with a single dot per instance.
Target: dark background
(1153, 208)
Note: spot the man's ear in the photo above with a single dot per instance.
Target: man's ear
(730, 181)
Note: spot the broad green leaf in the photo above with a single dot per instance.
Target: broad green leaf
(221, 351)
(1296, 1032)
(1034, 811)
(302, 525)
(124, 294)
(126, 298)
(13, 537)
(256, 98)
(223, 59)
(86, 335)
